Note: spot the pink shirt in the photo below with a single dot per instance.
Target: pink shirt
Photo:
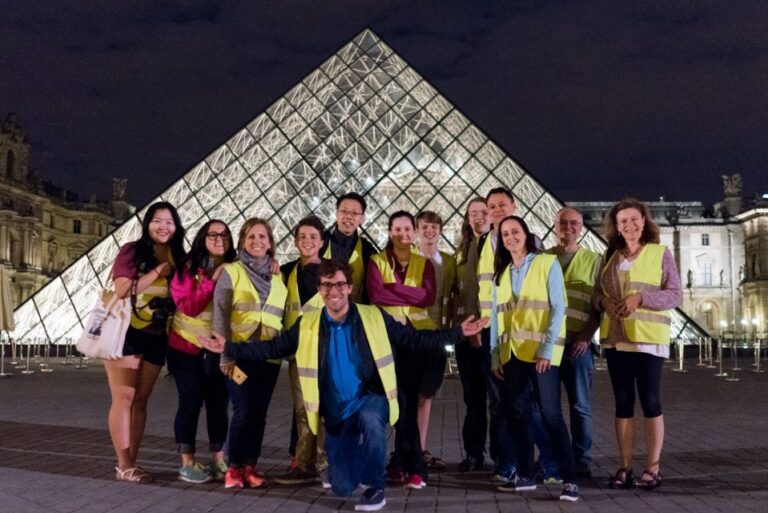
(397, 294)
(191, 295)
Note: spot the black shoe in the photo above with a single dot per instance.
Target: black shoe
(372, 500)
(583, 470)
(471, 463)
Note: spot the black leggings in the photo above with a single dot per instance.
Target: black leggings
(627, 368)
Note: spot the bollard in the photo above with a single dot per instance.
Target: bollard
(45, 366)
(82, 364)
(27, 370)
(720, 374)
(680, 356)
(710, 363)
(3, 374)
(735, 360)
(735, 356)
(14, 361)
(67, 352)
(757, 369)
(600, 364)
(702, 348)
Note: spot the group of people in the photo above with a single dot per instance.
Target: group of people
(365, 334)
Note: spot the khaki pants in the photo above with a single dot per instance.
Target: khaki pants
(310, 455)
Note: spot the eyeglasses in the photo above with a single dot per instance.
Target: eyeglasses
(349, 213)
(326, 286)
(216, 235)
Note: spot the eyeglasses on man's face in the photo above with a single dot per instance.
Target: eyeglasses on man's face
(217, 235)
(326, 286)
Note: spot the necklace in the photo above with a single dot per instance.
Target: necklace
(629, 255)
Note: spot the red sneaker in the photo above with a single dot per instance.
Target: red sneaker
(234, 478)
(415, 482)
(252, 477)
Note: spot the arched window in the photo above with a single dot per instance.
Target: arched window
(10, 163)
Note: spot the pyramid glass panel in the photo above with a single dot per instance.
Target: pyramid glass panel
(364, 121)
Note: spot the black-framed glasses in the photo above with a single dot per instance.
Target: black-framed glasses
(217, 235)
(326, 286)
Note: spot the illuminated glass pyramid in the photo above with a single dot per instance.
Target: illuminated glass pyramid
(363, 121)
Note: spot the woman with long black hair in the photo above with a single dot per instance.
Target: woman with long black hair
(196, 371)
(529, 297)
(142, 269)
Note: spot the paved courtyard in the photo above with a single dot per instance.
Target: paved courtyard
(55, 454)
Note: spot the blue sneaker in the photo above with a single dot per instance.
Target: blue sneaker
(518, 484)
(503, 474)
(194, 473)
(570, 492)
(372, 500)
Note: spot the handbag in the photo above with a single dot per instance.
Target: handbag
(105, 329)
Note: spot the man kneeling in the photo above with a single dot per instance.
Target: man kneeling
(347, 376)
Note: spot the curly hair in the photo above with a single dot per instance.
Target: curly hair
(650, 229)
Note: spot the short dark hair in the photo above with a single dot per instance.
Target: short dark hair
(354, 197)
(429, 216)
(500, 190)
(329, 268)
(313, 222)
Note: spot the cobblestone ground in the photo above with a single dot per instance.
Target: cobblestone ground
(56, 456)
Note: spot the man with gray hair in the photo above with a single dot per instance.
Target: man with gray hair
(580, 271)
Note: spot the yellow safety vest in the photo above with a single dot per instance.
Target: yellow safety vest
(524, 323)
(579, 283)
(485, 277)
(307, 355)
(247, 312)
(158, 288)
(190, 328)
(643, 326)
(419, 317)
(358, 269)
(293, 307)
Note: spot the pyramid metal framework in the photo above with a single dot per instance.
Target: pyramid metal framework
(363, 121)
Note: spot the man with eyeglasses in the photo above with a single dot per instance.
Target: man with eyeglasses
(347, 376)
(345, 242)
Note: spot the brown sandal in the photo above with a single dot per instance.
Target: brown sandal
(648, 484)
(621, 479)
(133, 475)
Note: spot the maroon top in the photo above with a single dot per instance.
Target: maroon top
(191, 294)
(124, 266)
(397, 294)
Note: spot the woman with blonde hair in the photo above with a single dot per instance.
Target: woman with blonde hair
(636, 289)
(248, 305)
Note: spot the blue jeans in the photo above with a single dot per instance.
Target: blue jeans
(524, 388)
(250, 402)
(357, 447)
(576, 376)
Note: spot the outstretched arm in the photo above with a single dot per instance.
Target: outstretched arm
(283, 345)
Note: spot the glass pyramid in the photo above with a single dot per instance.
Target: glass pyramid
(363, 121)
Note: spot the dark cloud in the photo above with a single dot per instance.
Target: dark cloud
(596, 99)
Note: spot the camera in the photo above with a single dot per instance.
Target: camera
(162, 308)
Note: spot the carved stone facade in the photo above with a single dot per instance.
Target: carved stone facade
(722, 259)
(42, 228)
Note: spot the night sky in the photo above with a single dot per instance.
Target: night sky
(594, 99)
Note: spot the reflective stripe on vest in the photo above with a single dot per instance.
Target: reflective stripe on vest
(485, 277)
(358, 269)
(307, 354)
(247, 312)
(643, 326)
(190, 328)
(293, 307)
(158, 288)
(414, 275)
(523, 323)
(579, 280)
